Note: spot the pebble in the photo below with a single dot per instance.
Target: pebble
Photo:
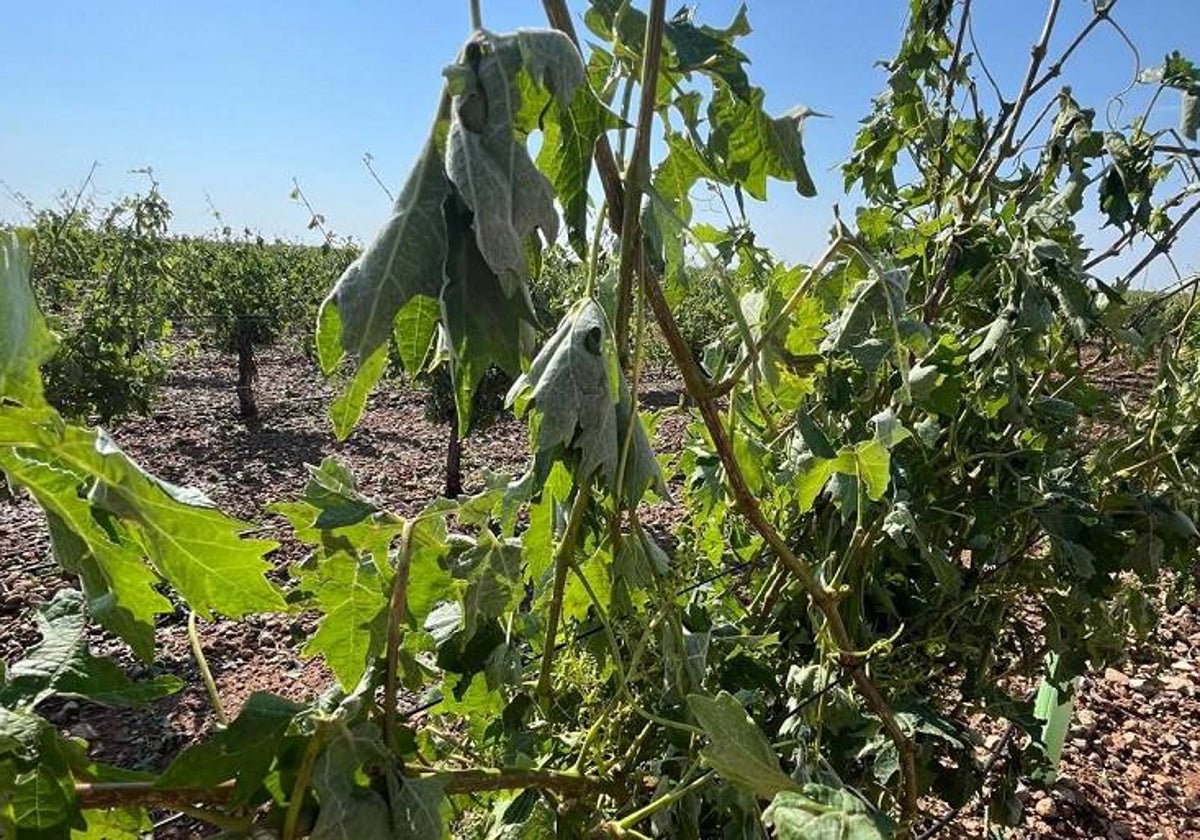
(1114, 676)
(1045, 807)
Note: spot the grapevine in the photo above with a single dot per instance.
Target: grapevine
(894, 454)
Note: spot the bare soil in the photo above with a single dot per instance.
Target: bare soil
(1132, 762)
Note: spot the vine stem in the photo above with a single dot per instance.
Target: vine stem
(459, 780)
(210, 684)
(300, 788)
(395, 618)
(745, 501)
(635, 174)
(562, 563)
(665, 801)
(619, 666)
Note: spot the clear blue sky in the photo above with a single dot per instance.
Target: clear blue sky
(232, 98)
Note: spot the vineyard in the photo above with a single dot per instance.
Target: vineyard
(562, 509)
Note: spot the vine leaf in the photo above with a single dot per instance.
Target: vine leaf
(333, 490)
(347, 407)
(868, 461)
(127, 823)
(42, 803)
(738, 749)
(484, 326)
(755, 146)
(565, 158)
(60, 664)
(417, 813)
(821, 812)
(119, 586)
(415, 330)
(429, 582)
(351, 594)
(711, 50)
(581, 404)
(243, 752)
(492, 569)
(192, 544)
(551, 60)
(348, 808)
(402, 262)
(1189, 114)
(25, 340)
(507, 195)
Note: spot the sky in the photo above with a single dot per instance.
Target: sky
(229, 100)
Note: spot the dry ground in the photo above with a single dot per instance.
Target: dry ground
(1132, 763)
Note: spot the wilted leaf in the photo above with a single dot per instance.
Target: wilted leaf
(402, 262)
(349, 809)
(582, 406)
(1189, 114)
(738, 749)
(243, 752)
(821, 813)
(508, 197)
(484, 325)
(416, 813)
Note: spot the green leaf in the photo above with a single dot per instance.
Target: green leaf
(429, 582)
(333, 490)
(347, 408)
(738, 749)
(20, 733)
(415, 328)
(119, 585)
(666, 232)
(43, 801)
(755, 146)
(25, 340)
(403, 261)
(568, 143)
(492, 569)
(352, 597)
(484, 326)
(329, 338)
(244, 751)
(1055, 713)
(812, 474)
(193, 545)
(709, 50)
(576, 600)
(821, 813)
(61, 665)
(128, 823)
